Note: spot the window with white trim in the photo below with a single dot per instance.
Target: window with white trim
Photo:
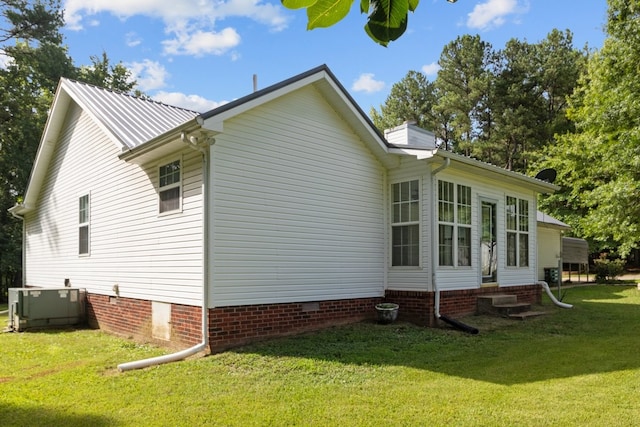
(517, 211)
(83, 224)
(405, 224)
(170, 187)
(454, 224)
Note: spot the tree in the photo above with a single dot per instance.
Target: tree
(102, 73)
(28, 20)
(37, 61)
(386, 20)
(462, 85)
(599, 163)
(30, 38)
(411, 99)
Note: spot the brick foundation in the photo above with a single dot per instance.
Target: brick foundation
(232, 326)
(228, 326)
(418, 307)
(132, 318)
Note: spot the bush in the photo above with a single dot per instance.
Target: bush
(608, 270)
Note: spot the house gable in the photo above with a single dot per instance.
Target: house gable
(127, 121)
(330, 89)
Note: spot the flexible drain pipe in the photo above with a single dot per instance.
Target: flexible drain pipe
(545, 286)
(192, 141)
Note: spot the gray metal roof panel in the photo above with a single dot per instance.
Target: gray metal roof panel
(132, 120)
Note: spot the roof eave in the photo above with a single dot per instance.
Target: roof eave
(535, 184)
(160, 146)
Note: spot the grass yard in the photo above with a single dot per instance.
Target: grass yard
(571, 367)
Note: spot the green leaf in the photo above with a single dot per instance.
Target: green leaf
(413, 4)
(297, 4)
(325, 13)
(388, 21)
(364, 6)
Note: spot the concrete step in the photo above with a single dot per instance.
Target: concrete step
(486, 304)
(508, 309)
(526, 314)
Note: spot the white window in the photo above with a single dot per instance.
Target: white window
(517, 211)
(454, 224)
(83, 225)
(170, 187)
(405, 224)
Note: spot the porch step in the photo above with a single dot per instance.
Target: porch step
(505, 305)
(526, 314)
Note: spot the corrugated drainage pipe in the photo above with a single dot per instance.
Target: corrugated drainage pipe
(545, 286)
(180, 355)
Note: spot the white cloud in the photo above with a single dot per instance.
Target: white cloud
(132, 39)
(186, 21)
(4, 61)
(366, 83)
(150, 75)
(191, 102)
(431, 69)
(493, 13)
(201, 43)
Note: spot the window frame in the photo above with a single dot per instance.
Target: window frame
(84, 223)
(517, 232)
(172, 186)
(455, 220)
(410, 227)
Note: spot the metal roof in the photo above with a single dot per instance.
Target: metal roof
(132, 120)
(547, 219)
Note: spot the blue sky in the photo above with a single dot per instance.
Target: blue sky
(200, 54)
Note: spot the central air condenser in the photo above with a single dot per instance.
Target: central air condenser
(45, 307)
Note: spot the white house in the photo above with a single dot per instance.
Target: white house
(283, 211)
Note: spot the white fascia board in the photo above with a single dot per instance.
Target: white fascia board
(48, 141)
(418, 154)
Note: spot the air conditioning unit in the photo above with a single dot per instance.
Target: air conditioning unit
(45, 307)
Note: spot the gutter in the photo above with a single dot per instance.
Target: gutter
(194, 143)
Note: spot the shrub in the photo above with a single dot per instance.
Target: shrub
(608, 270)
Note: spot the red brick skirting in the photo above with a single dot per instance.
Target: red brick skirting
(418, 307)
(228, 326)
(233, 326)
(132, 318)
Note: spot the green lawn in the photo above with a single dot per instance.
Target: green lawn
(571, 367)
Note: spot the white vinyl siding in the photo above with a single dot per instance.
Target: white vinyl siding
(298, 207)
(146, 255)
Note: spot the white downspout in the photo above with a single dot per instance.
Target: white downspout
(434, 243)
(545, 286)
(192, 141)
